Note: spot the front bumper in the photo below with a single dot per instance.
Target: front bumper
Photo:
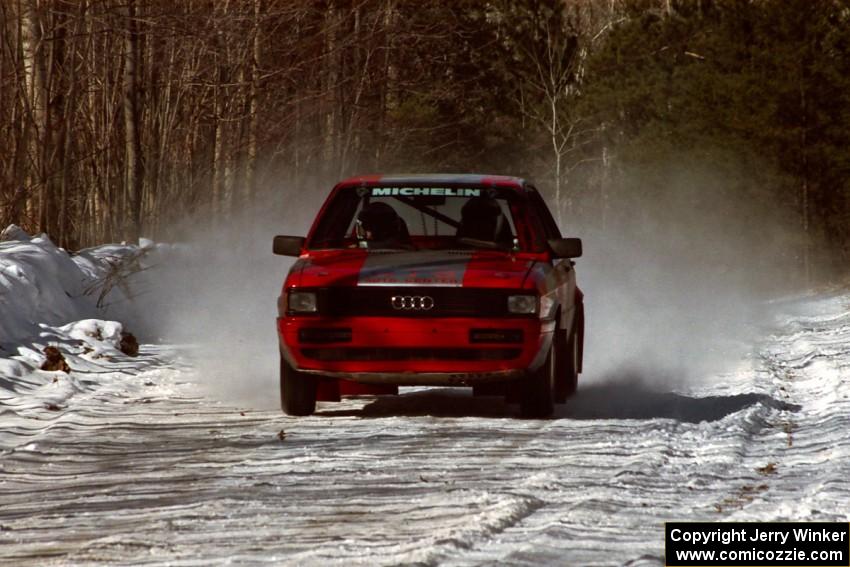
(414, 351)
(424, 378)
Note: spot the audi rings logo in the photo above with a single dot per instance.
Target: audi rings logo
(412, 302)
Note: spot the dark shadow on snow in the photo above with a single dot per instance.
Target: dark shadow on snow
(436, 402)
(636, 401)
(605, 400)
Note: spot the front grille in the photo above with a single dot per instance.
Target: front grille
(447, 302)
(324, 335)
(389, 354)
(495, 336)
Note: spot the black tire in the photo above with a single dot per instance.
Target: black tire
(566, 366)
(297, 391)
(537, 396)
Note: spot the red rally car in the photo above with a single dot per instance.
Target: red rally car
(451, 280)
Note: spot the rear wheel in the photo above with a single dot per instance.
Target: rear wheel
(566, 365)
(297, 390)
(537, 397)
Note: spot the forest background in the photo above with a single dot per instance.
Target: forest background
(119, 118)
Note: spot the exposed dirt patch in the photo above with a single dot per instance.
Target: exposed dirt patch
(129, 345)
(54, 360)
(768, 469)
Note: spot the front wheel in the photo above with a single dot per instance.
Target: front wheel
(537, 399)
(566, 365)
(297, 390)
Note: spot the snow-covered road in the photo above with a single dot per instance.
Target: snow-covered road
(139, 467)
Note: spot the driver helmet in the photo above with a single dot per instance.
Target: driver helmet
(377, 221)
(480, 219)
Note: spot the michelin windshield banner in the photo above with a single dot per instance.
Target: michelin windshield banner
(765, 544)
(426, 192)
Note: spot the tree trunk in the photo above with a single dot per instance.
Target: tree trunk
(21, 125)
(132, 142)
(604, 181)
(553, 132)
(37, 100)
(65, 138)
(331, 65)
(805, 189)
(251, 159)
(219, 166)
(218, 147)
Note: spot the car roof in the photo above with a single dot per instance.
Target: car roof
(442, 178)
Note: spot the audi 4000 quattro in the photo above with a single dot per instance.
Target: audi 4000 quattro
(458, 280)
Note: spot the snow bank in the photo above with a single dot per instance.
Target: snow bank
(42, 283)
(38, 283)
(51, 298)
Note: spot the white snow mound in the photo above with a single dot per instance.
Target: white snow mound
(51, 298)
(41, 283)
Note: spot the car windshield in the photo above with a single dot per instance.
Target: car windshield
(433, 217)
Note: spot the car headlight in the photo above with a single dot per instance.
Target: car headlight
(301, 302)
(522, 304)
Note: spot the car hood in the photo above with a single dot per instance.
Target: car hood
(443, 268)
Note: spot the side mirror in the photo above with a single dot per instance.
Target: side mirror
(288, 245)
(565, 247)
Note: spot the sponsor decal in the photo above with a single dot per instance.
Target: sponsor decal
(425, 191)
(424, 268)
